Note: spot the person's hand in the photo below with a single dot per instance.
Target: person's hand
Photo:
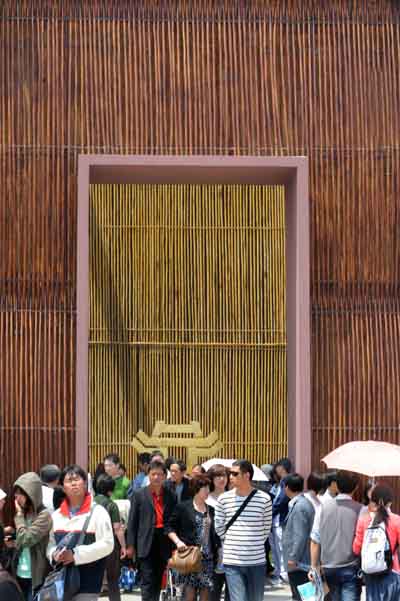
(123, 553)
(130, 551)
(64, 556)
(311, 573)
(9, 530)
(18, 507)
(181, 546)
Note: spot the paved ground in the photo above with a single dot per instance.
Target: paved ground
(281, 594)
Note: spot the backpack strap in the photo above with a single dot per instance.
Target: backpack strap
(239, 511)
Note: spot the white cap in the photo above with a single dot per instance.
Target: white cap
(2, 494)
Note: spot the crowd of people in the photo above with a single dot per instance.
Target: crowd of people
(217, 531)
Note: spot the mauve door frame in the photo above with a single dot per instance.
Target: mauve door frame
(291, 172)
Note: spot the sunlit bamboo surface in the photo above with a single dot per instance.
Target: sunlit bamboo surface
(187, 315)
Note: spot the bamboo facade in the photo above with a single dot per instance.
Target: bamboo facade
(188, 315)
(265, 77)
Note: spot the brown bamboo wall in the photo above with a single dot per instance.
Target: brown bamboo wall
(227, 77)
(188, 316)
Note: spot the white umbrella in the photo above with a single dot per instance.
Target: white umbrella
(369, 457)
(258, 476)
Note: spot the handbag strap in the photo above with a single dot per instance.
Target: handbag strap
(239, 511)
(85, 526)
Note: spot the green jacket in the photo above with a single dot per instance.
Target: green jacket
(36, 535)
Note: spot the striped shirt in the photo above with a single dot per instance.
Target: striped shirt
(244, 541)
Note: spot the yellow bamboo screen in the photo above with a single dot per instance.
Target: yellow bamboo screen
(187, 315)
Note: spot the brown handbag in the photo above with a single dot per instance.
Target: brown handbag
(187, 561)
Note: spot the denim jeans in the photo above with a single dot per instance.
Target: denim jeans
(344, 584)
(245, 583)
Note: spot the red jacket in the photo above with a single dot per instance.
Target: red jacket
(393, 531)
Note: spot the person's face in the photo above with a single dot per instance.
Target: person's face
(220, 482)
(333, 489)
(156, 477)
(111, 468)
(237, 477)
(176, 474)
(74, 486)
(158, 458)
(281, 472)
(203, 493)
(196, 471)
(143, 467)
(21, 499)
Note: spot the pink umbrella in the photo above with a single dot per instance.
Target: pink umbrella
(368, 457)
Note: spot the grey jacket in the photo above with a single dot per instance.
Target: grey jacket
(296, 532)
(34, 535)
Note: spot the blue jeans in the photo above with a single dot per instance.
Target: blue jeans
(245, 583)
(344, 584)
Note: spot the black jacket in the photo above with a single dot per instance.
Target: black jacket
(142, 519)
(186, 495)
(183, 523)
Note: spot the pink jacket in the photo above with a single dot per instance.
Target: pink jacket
(393, 531)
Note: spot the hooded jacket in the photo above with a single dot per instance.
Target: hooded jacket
(35, 536)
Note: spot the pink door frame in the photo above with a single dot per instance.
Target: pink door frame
(292, 172)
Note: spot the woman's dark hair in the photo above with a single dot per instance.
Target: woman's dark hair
(316, 482)
(198, 482)
(369, 485)
(169, 461)
(104, 485)
(203, 471)
(217, 470)
(381, 495)
(113, 457)
(5, 556)
(58, 496)
(181, 464)
(99, 471)
(28, 507)
(285, 463)
(330, 477)
(73, 470)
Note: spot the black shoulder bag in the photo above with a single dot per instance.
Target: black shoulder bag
(64, 582)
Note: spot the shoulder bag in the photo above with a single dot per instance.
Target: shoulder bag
(64, 582)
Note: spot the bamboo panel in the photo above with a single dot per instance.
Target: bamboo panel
(187, 315)
(233, 77)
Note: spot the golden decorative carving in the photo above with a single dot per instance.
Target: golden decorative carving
(197, 446)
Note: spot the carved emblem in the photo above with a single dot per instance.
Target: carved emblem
(197, 445)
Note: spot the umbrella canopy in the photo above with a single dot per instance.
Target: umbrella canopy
(258, 476)
(368, 457)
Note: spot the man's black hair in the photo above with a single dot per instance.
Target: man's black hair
(144, 458)
(104, 485)
(316, 482)
(295, 482)
(157, 465)
(330, 477)
(113, 457)
(245, 467)
(49, 473)
(169, 461)
(347, 482)
(181, 464)
(285, 463)
(74, 470)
